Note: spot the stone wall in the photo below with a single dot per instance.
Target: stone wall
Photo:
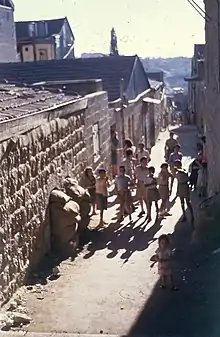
(212, 95)
(32, 164)
(139, 121)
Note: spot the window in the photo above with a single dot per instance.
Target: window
(42, 29)
(26, 48)
(32, 28)
(43, 54)
(96, 141)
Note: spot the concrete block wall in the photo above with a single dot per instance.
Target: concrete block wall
(33, 164)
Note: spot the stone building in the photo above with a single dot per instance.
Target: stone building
(196, 86)
(7, 32)
(212, 93)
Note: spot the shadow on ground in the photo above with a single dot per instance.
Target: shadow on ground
(193, 311)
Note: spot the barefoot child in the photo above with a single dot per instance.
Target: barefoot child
(102, 193)
(183, 190)
(164, 178)
(88, 181)
(152, 192)
(163, 257)
(122, 185)
(141, 175)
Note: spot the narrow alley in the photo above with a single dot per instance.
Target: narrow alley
(111, 288)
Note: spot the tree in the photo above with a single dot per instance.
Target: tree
(114, 43)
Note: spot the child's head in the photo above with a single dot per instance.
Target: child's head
(128, 143)
(177, 148)
(88, 171)
(163, 241)
(129, 153)
(141, 146)
(102, 172)
(164, 167)
(171, 134)
(143, 161)
(122, 170)
(151, 170)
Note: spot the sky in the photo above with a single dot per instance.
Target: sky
(148, 28)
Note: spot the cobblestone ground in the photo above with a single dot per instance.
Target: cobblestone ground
(111, 288)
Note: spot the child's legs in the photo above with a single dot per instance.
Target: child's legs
(122, 207)
(163, 205)
(170, 280)
(101, 215)
(182, 202)
(189, 205)
(162, 280)
(156, 206)
(149, 206)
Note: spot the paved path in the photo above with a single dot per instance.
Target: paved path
(110, 287)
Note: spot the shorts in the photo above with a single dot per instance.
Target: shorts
(153, 195)
(125, 198)
(102, 202)
(92, 194)
(183, 191)
(164, 192)
(141, 190)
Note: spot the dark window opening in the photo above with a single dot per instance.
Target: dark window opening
(26, 48)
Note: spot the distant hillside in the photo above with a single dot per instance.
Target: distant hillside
(175, 69)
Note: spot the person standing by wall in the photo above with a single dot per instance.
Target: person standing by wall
(114, 153)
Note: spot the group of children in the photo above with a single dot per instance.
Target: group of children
(134, 172)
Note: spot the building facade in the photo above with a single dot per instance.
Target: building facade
(196, 87)
(8, 52)
(212, 93)
(44, 40)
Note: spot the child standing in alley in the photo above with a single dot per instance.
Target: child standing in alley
(88, 181)
(164, 179)
(102, 193)
(122, 185)
(152, 192)
(183, 190)
(163, 257)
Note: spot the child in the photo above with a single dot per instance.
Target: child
(129, 163)
(141, 175)
(102, 193)
(163, 256)
(201, 181)
(194, 170)
(183, 191)
(88, 181)
(164, 190)
(152, 192)
(142, 152)
(122, 185)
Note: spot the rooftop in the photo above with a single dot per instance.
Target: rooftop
(16, 101)
(110, 69)
(54, 27)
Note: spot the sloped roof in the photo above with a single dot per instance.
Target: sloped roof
(22, 101)
(7, 3)
(109, 69)
(54, 27)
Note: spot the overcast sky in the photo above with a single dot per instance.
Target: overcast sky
(144, 27)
